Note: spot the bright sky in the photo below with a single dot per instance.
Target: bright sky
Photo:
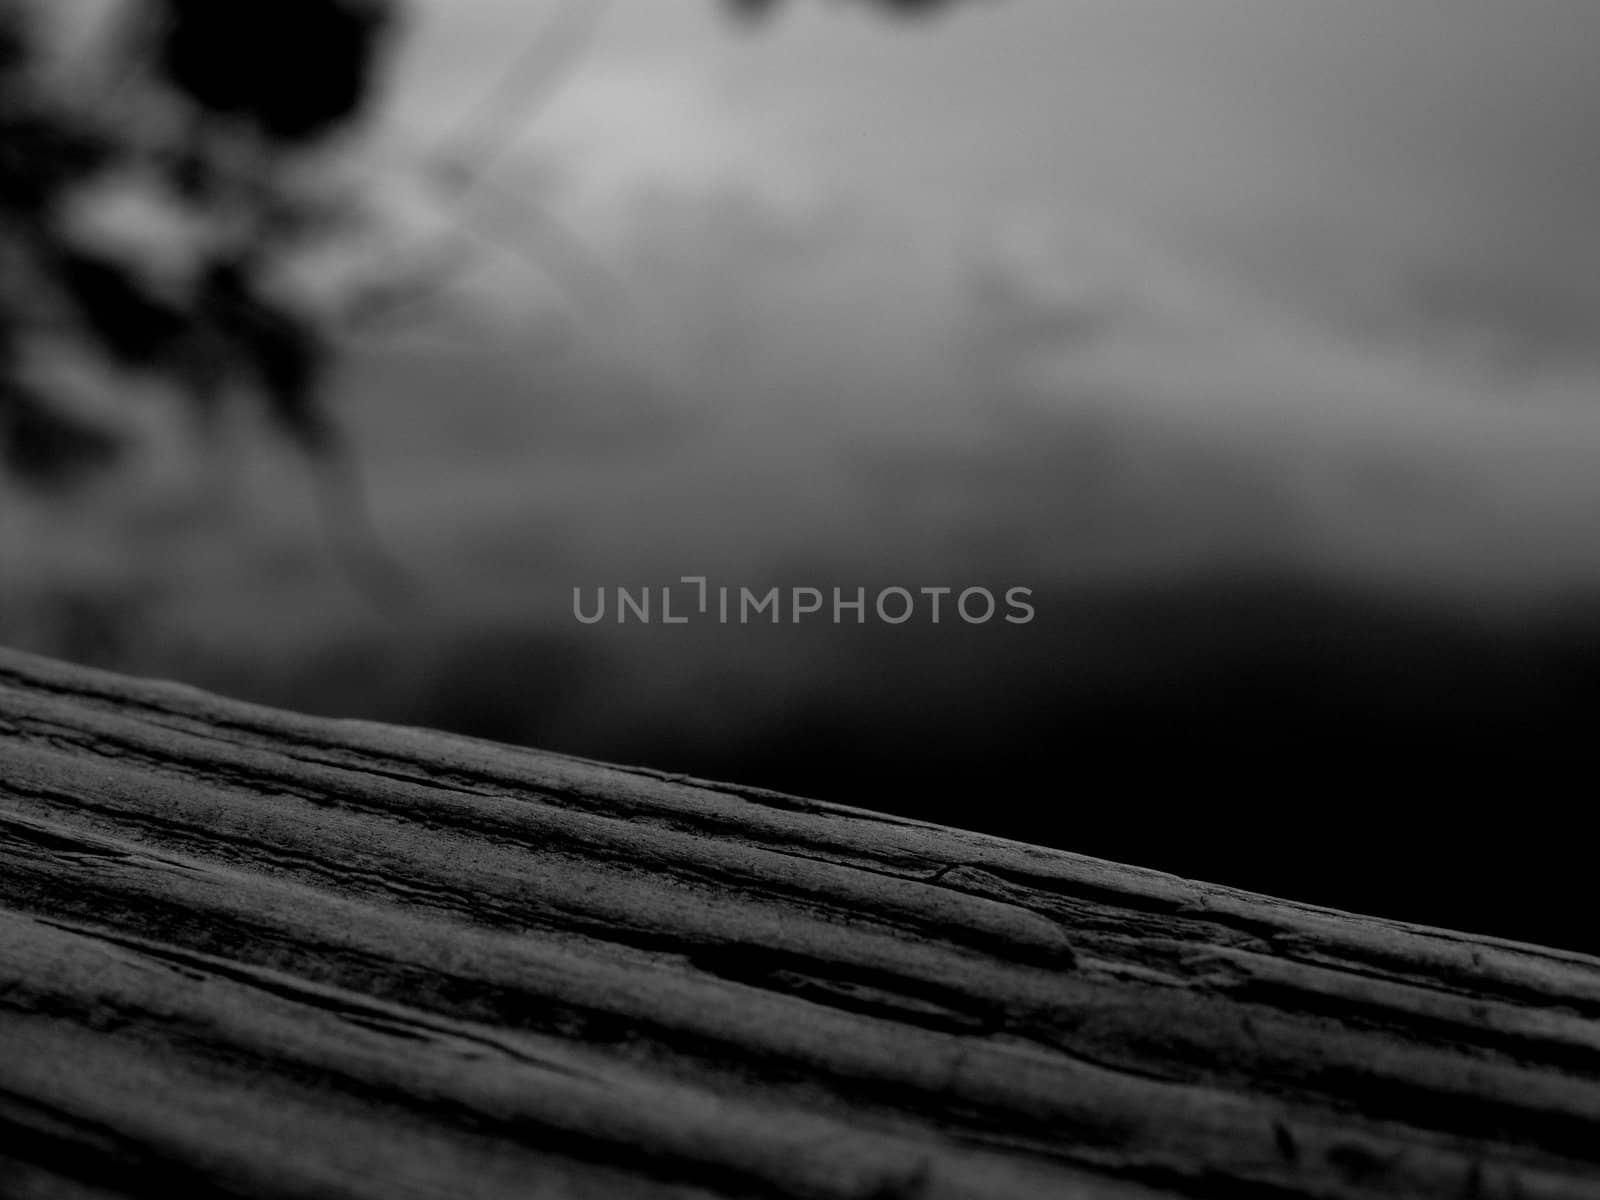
(1326, 144)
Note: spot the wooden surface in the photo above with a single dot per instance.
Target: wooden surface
(257, 954)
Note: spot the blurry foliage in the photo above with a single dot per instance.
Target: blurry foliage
(231, 59)
(198, 113)
(216, 112)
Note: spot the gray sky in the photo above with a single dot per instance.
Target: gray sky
(1291, 137)
(1330, 241)
(1211, 279)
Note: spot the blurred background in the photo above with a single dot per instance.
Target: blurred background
(1261, 338)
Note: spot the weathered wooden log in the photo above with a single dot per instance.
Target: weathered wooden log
(250, 953)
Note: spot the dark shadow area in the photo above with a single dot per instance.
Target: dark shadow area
(1274, 735)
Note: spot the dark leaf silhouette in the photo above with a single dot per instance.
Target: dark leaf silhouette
(295, 69)
(282, 354)
(46, 447)
(125, 317)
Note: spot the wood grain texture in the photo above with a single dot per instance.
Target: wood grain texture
(250, 953)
